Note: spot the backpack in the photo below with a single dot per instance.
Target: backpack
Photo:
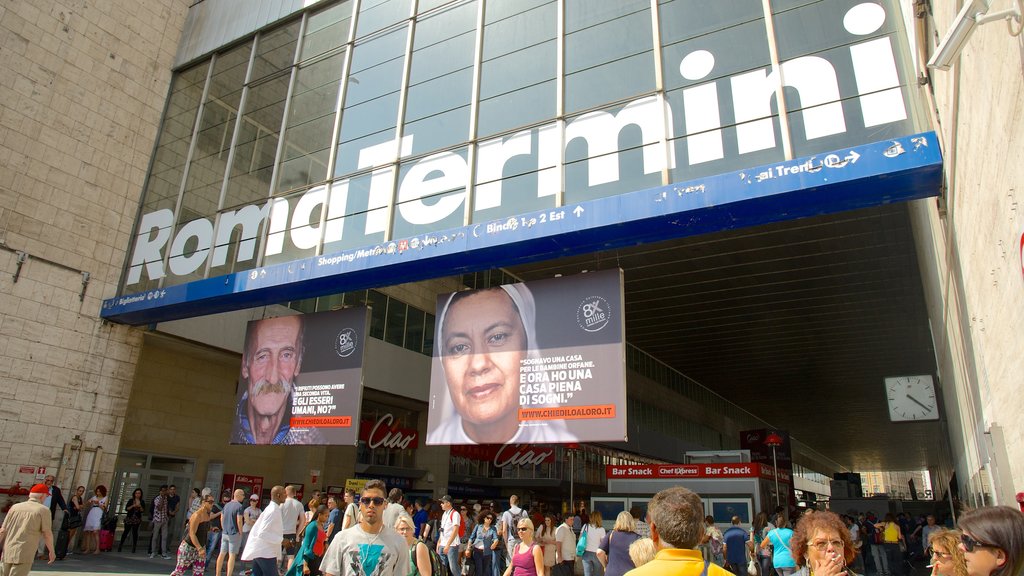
(436, 568)
(513, 535)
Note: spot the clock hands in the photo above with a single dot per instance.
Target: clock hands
(918, 402)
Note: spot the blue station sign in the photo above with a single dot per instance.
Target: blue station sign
(894, 170)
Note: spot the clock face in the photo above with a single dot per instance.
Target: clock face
(911, 398)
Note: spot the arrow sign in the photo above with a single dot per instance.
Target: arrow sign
(578, 211)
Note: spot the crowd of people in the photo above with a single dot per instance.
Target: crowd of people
(377, 532)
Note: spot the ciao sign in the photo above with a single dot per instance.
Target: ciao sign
(386, 433)
(502, 455)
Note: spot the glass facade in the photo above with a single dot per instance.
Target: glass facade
(356, 123)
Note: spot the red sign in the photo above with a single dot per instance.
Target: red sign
(505, 454)
(737, 470)
(27, 470)
(385, 433)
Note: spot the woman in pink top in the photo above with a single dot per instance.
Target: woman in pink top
(527, 557)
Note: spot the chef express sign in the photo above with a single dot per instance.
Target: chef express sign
(846, 94)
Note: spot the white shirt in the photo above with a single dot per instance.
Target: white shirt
(566, 540)
(266, 535)
(292, 515)
(450, 521)
(594, 536)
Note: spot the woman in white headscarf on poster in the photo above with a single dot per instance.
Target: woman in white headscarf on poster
(482, 337)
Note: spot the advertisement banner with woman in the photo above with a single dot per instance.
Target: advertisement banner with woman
(535, 362)
(302, 379)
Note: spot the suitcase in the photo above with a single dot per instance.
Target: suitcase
(106, 540)
(60, 547)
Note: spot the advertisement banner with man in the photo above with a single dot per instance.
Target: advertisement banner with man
(535, 362)
(301, 380)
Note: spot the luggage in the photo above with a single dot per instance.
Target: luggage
(106, 540)
(60, 547)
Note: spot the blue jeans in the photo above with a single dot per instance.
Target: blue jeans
(264, 567)
(451, 559)
(497, 561)
(212, 542)
(592, 564)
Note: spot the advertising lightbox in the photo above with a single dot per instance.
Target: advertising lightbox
(534, 362)
(301, 379)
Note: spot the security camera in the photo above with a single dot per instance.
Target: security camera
(973, 14)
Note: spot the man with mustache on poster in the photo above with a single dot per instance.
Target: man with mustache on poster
(271, 362)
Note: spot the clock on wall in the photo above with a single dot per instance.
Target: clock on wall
(911, 398)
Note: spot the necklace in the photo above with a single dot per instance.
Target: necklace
(376, 534)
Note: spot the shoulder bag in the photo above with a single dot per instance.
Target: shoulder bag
(581, 546)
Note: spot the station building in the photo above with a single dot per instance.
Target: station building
(802, 211)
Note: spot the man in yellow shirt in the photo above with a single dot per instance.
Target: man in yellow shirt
(677, 524)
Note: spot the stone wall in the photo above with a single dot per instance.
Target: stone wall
(975, 278)
(82, 88)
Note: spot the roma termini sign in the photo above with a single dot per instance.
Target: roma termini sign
(715, 131)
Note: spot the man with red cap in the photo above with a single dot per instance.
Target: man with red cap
(24, 525)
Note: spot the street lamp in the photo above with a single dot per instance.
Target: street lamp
(572, 476)
(774, 439)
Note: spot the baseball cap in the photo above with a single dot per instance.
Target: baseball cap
(446, 498)
(39, 489)
(254, 497)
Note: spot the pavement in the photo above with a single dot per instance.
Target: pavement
(113, 563)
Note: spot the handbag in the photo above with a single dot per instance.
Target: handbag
(581, 546)
(752, 567)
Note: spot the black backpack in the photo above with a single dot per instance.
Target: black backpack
(436, 568)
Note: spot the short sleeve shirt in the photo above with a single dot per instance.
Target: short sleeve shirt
(356, 552)
(292, 514)
(159, 510)
(449, 523)
(229, 519)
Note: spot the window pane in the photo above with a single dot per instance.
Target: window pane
(275, 51)
(608, 52)
(517, 84)
(379, 305)
(307, 139)
(371, 100)
(206, 171)
(428, 335)
(441, 79)
(414, 329)
(379, 14)
(295, 226)
(327, 29)
(357, 217)
(394, 328)
(253, 162)
(433, 191)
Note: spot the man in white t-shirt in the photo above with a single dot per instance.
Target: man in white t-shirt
(565, 550)
(351, 515)
(293, 518)
(448, 540)
(369, 548)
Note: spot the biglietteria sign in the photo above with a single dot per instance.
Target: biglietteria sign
(847, 93)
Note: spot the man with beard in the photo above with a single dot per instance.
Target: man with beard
(270, 365)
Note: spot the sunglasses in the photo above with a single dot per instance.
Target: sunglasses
(940, 555)
(970, 543)
(523, 529)
(375, 500)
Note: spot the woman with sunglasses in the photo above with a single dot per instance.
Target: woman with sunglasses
(822, 545)
(527, 557)
(192, 550)
(947, 559)
(993, 541)
(482, 543)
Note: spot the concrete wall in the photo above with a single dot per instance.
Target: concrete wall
(971, 255)
(82, 88)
